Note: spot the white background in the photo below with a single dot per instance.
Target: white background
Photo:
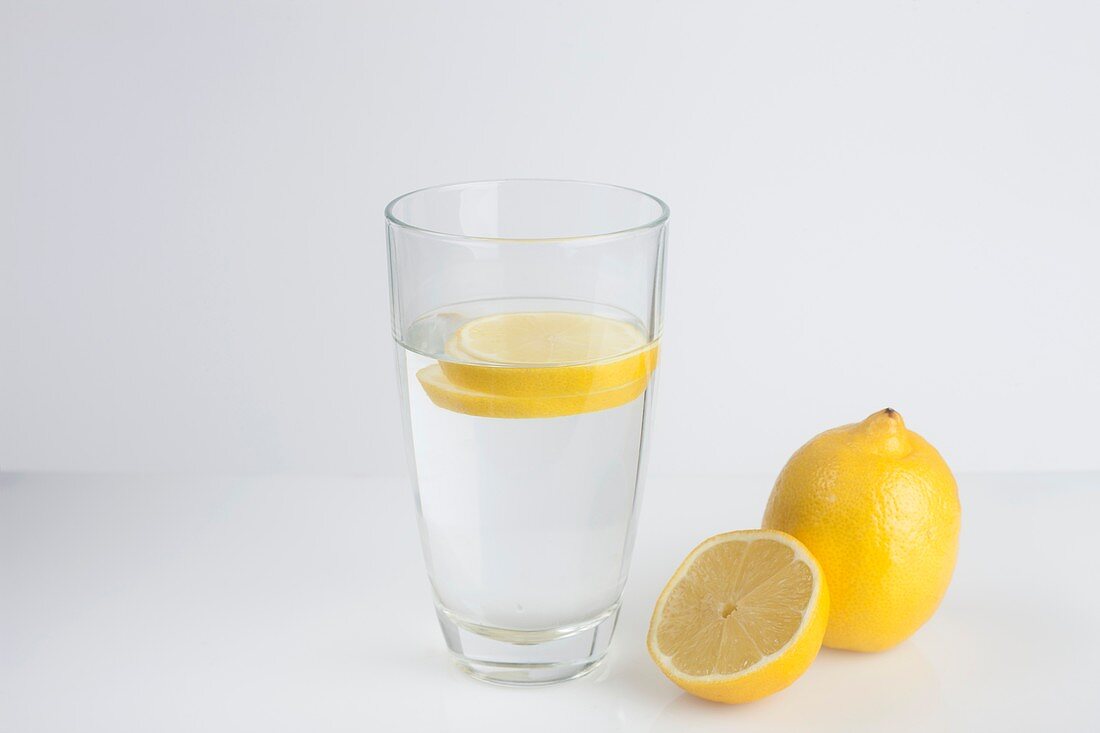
(874, 203)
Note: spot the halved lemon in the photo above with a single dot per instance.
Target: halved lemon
(540, 364)
(742, 617)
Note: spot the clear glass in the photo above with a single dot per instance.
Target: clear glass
(527, 319)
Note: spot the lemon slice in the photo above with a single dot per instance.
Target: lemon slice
(545, 354)
(541, 364)
(544, 339)
(446, 394)
(742, 617)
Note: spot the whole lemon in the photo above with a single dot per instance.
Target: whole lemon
(879, 509)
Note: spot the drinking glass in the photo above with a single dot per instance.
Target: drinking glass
(526, 319)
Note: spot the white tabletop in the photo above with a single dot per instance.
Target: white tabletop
(278, 604)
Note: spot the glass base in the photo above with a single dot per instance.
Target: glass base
(510, 657)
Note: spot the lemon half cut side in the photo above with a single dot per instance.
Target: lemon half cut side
(742, 617)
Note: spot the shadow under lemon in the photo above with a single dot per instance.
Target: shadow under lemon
(842, 690)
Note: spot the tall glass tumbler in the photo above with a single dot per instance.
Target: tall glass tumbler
(527, 319)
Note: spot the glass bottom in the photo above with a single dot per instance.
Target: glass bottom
(510, 657)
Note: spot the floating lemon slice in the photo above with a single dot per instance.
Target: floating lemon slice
(542, 364)
(544, 338)
(448, 395)
(742, 617)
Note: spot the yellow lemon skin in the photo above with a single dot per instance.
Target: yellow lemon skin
(769, 674)
(878, 507)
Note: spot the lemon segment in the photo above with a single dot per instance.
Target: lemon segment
(742, 617)
(878, 507)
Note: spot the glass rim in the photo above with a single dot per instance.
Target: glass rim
(661, 218)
